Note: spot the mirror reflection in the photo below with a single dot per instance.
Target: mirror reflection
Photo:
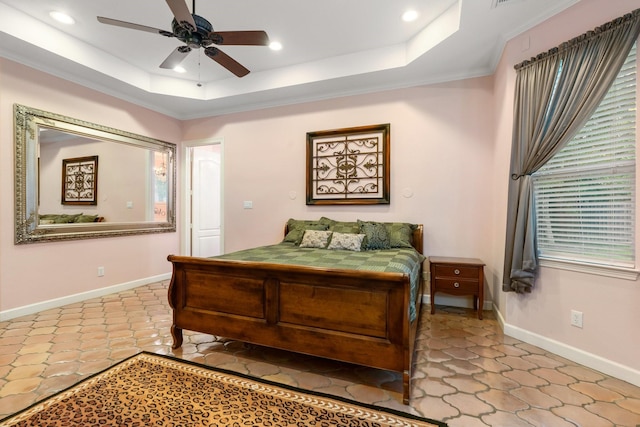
(79, 180)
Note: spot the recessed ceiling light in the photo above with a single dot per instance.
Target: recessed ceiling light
(179, 69)
(409, 16)
(62, 17)
(275, 46)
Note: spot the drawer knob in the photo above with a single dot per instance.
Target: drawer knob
(456, 285)
(456, 271)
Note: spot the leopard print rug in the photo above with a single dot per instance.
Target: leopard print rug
(153, 390)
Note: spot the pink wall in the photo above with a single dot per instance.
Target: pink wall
(34, 273)
(609, 305)
(440, 156)
(440, 151)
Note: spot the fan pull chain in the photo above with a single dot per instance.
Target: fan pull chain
(199, 58)
(199, 84)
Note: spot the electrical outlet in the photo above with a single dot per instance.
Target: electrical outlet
(100, 271)
(576, 318)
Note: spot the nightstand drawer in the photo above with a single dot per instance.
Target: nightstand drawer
(463, 272)
(456, 285)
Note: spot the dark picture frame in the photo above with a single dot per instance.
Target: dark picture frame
(80, 181)
(349, 166)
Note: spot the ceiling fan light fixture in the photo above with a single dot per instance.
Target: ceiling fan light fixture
(179, 69)
(410, 16)
(62, 17)
(275, 46)
(196, 32)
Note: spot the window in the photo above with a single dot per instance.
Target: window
(585, 195)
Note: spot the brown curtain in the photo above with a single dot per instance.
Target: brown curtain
(555, 94)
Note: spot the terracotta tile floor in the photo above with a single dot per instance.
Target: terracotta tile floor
(468, 373)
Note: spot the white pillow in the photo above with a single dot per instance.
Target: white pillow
(347, 241)
(315, 239)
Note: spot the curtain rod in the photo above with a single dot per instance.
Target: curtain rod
(581, 38)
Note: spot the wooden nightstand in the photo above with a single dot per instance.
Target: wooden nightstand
(458, 276)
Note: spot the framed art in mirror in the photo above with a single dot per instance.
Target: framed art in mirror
(349, 166)
(80, 181)
(134, 195)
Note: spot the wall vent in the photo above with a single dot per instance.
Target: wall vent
(498, 3)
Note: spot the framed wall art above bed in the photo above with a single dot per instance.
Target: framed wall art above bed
(349, 166)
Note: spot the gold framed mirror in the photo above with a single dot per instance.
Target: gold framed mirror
(61, 194)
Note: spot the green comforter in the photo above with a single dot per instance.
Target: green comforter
(395, 260)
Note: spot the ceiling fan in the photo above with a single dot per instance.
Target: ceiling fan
(196, 32)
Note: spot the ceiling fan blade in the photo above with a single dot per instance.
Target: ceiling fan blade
(226, 61)
(181, 13)
(132, 26)
(176, 57)
(252, 38)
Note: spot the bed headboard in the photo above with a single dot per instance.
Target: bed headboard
(417, 239)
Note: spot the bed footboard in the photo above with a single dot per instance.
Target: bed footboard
(358, 317)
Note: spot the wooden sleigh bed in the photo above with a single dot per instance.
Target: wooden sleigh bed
(354, 316)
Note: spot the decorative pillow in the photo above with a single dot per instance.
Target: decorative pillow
(65, 218)
(376, 235)
(86, 218)
(346, 241)
(345, 227)
(59, 218)
(297, 227)
(315, 239)
(325, 220)
(400, 234)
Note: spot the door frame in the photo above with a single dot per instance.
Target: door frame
(185, 164)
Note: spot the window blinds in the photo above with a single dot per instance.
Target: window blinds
(585, 195)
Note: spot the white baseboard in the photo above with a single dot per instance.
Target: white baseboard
(606, 366)
(590, 360)
(582, 357)
(453, 301)
(72, 299)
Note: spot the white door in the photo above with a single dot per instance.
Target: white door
(205, 200)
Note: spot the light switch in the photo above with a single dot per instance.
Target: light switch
(247, 204)
(129, 205)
